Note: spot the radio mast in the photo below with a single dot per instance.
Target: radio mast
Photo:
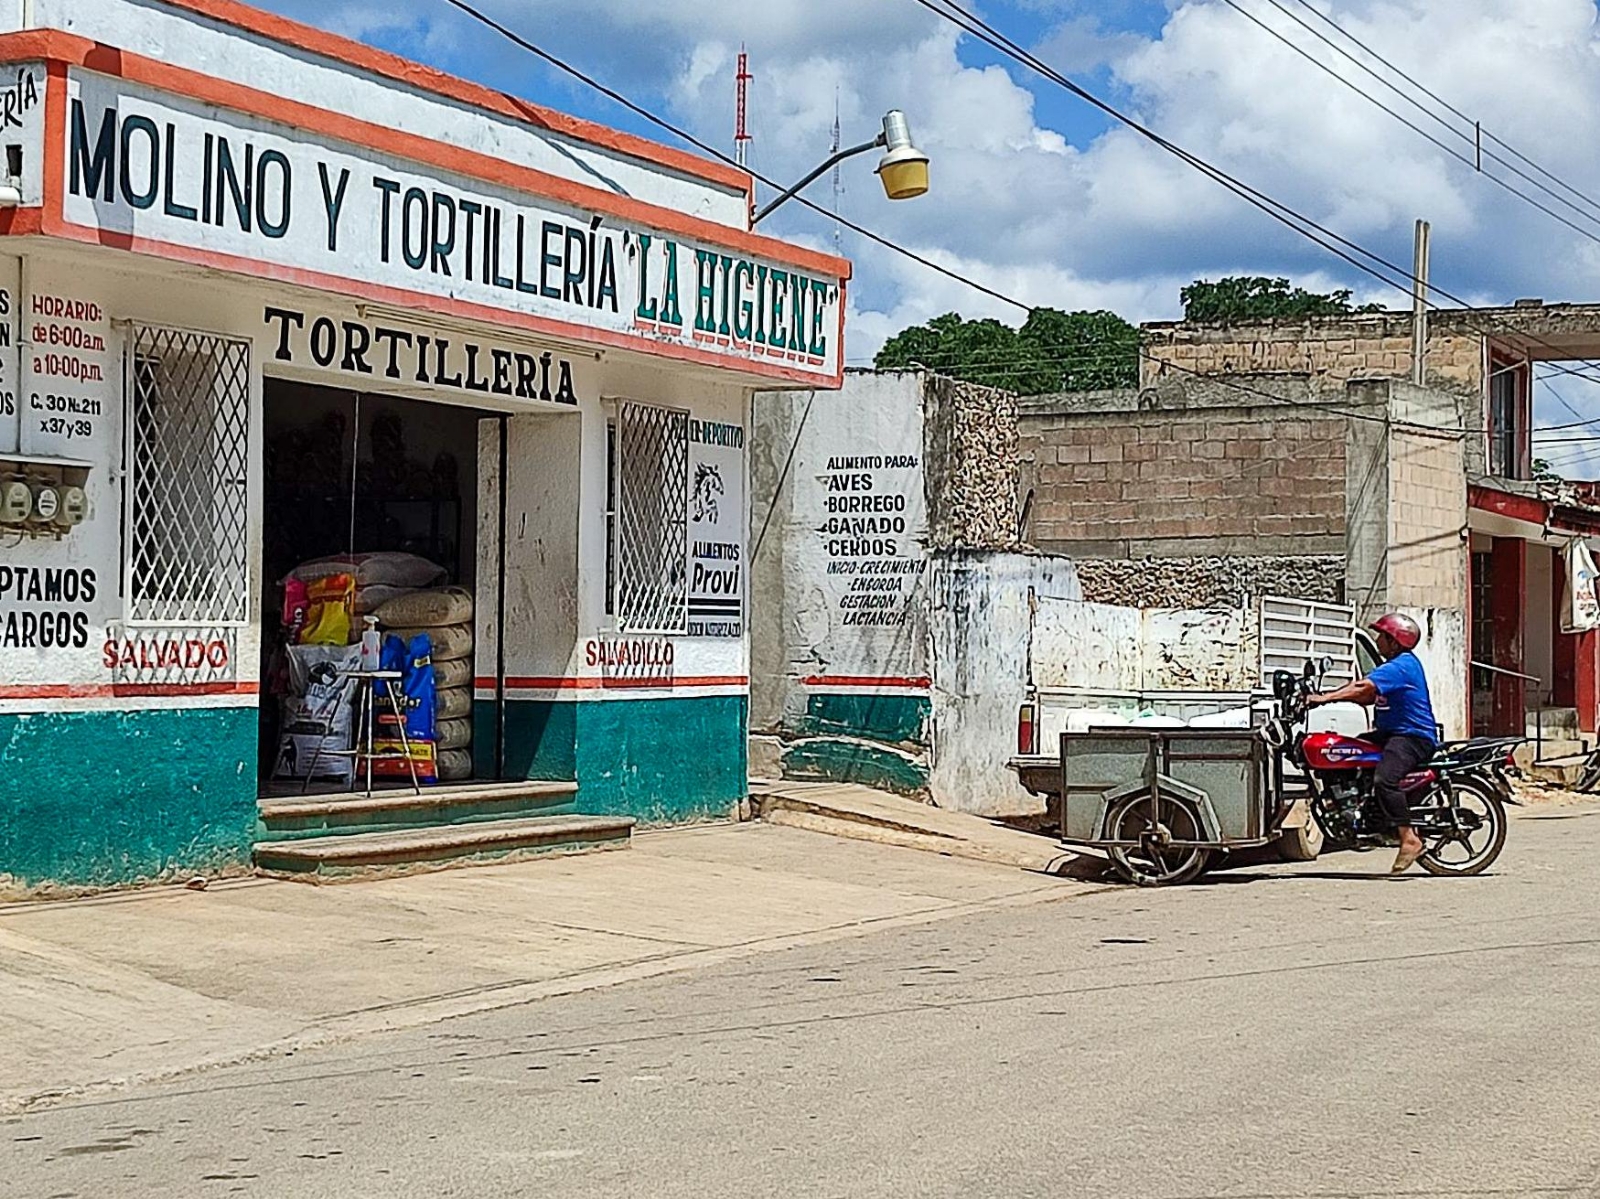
(741, 130)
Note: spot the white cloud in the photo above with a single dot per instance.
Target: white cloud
(1113, 221)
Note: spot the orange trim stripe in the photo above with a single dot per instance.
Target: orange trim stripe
(921, 683)
(593, 683)
(75, 51)
(423, 302)
(124, 690)
(415, 75)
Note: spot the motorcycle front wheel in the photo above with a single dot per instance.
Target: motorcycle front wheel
(1153, 823)
(1477, 834)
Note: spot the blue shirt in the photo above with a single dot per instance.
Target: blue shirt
(1404, 706)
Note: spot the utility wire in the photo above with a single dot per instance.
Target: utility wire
(963, 19)
(999, 41)
(1409, 124)
(1451, 108)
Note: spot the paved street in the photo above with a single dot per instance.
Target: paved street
(1274, 1033)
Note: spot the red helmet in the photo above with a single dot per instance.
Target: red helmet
(1402, 628)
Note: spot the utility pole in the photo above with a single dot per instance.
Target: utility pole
(1419, 306)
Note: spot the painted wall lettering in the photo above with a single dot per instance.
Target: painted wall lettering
(295, 338)
(179, 174)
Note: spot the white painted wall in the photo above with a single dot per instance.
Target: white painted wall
(556, 601)
(182, 38)
(1445, 654)
(979, 616)
(859, 448)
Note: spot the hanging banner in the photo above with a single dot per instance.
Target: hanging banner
(1580, 604)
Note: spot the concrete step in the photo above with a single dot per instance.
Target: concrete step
(341, 856)
(1563, 775)
(1552, 749)
(1556, 722)
(291, 818)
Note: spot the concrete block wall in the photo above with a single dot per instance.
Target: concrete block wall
(1427, 514)
(1191, 483)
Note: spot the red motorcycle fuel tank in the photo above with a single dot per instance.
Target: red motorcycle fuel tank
(1332, 751)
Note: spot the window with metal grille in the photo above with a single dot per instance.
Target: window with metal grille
(186, 502)
(611, 518)
(652, 519)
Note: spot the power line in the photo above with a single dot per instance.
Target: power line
(1432, 95)
(1258, 199)
(1450, 150)
(953, 12)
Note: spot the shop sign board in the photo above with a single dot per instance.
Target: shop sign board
(716, 529)
(247, 193)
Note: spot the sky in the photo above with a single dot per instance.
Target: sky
(1045, 199)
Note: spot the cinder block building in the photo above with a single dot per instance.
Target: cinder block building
(1297, 457)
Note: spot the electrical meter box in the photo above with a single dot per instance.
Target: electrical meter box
(43, 497)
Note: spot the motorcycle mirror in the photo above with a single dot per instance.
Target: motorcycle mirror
(1310, 671)
(1326, 665)
(1282, 685)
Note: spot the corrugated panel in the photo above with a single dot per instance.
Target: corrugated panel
(1294, 631)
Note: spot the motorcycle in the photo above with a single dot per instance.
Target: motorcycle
(1457, 799)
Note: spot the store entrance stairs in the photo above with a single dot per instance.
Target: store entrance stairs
(318, 837)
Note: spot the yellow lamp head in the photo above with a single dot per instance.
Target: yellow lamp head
(903, 168)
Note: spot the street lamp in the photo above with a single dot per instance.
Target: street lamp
(903, 168)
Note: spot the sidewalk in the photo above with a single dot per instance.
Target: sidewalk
(864, 814)
(152, 984)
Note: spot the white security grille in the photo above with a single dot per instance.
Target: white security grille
(1295, 631)
(652, 532)
(188, 405)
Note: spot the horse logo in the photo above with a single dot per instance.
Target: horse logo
(707, 487)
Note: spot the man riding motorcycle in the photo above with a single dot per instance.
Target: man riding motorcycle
(1405, 726)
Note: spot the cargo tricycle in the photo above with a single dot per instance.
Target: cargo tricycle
(1166, 804)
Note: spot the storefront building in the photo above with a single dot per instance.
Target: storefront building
(271, 298)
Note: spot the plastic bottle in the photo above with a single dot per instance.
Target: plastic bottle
(371, 644)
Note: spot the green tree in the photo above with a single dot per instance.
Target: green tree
(1543, 472)
(1241, 299)
(1052, 351)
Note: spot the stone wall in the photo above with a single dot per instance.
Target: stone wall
(1235, 482)
(1209, 582)
(970, 444)
(1329, 351)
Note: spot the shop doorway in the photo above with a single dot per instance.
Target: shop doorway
(370, 510)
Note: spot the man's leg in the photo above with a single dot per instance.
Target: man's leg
(1401, 756)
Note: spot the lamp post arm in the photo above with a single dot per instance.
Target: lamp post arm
(874, 144)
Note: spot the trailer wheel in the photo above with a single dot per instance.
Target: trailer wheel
(1302, 844)
(1154, 823)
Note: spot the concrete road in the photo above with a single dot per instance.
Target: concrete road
(1276, 1032)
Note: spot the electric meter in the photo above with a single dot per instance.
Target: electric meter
(74, 508)
(16, 503)
(46, 505)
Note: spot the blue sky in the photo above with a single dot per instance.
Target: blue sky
(1037, 194)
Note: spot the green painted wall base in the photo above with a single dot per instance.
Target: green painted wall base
(661, 761)
(96, 799)
(893, 719)
(839, 760)
(847, 737)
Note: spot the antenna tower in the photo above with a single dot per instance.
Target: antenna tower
(838, 179)
(741, 130)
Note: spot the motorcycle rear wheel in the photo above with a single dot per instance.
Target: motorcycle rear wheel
(1473, 851)
(1139, 818)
